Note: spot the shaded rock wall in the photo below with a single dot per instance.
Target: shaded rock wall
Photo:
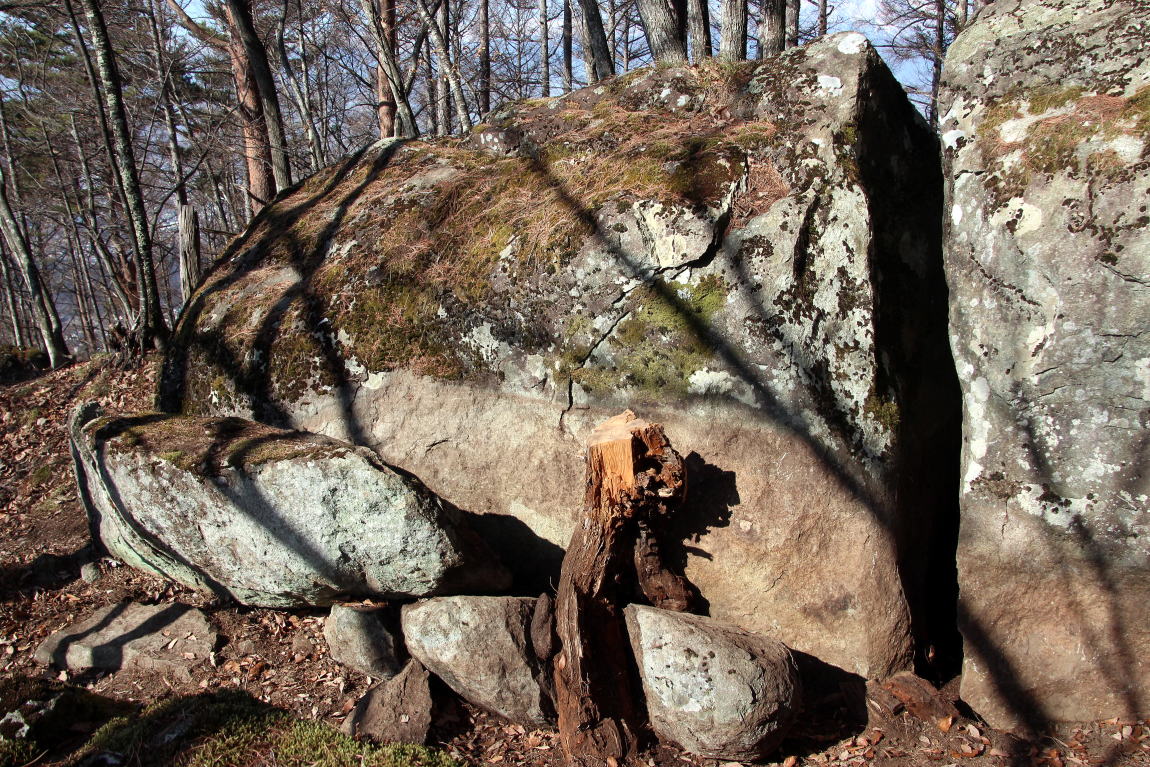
(1047, 140)
(746, 253)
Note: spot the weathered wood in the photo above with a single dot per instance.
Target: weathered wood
(633, 475)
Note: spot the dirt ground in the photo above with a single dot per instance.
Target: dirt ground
(280, 657)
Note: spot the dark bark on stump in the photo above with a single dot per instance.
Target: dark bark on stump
(634, 480)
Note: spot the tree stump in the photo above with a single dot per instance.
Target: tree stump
(635, 479)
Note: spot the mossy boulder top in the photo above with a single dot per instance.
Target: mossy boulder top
(1046, 130)
(749, 253)
(269, 517)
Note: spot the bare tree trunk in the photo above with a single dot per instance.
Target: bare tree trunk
(602, 62)
(772, 28)
(189, 224)
(733, 35)
(81, 301)
(699, 19)
(394, 108)
(300, 94)
(665, 23)
(544, 51)
(44, 311)
(240, 16)
(10, 299)
(150, 327)
(448, 70)
(792, 19)
(824, 17)
(939, 50)
(485, 56)
(443, 103)
(568, 76)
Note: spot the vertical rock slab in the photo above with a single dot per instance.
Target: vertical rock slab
(1047, 134)
(749, 255)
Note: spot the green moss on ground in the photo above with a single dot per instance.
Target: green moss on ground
(231, 729)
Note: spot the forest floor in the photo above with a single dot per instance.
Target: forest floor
(274, 663)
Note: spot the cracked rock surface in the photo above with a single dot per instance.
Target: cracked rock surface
(1046, 130)
(750, 255)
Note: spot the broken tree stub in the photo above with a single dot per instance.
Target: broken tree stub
(750, 253)
(633, 476)
(1046, 125)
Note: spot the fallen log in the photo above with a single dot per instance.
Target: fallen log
(635, 479)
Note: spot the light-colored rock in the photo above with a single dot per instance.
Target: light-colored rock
(753, 260)
(399, 710)
(269, 517)
(481, 647)
(358, 638)
(714, 689)
(1046, 123)
(167, 638)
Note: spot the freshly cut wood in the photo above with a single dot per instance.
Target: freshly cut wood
(634, 478)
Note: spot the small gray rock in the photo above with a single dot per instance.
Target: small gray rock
(716, 690)
(90, 573)
(152, 637)
(396, 711)
(481, 647)
(358, 638)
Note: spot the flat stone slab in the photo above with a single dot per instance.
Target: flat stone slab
(166, 638)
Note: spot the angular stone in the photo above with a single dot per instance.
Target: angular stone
(1046, 127)
(481, 647)
(716, 690)
(399, 710)
(167, 638)
(269, 517)
(753, 261)
(358, 638)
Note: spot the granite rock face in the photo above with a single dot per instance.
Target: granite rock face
(269, 517)
(750, 255)
(481, 647)
(164, 638)
(716, 690)
(1047, 135)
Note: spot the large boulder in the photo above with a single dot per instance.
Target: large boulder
(481, 647)
(1047, 132)
(266, 516)
(716, 690)
(749, 254)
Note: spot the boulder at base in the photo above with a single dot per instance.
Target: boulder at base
(1047, 131)
(269, 517)
(716, 690)
(749, 254)
(400, 710)
(358, 637)
(481, 647)
(167, 638)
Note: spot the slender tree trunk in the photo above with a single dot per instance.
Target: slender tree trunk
(792, 19)
(595, 39)
(485, 56)
(772, 28)
(699, 19)
(936, 57)
(81, 302)
(665, 23)
(733, 35)
(86, 272)
(240, 16)
(151, 329)
(824, 17)
(394, 109)
(300, 94)
(544, 51)
(10, 300)
(443, 104)
(48, 322)
(449, 71)
(568, 75)
(189, 224)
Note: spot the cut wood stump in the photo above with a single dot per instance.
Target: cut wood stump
(635, 479)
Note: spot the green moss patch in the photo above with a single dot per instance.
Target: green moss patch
(230, 729)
